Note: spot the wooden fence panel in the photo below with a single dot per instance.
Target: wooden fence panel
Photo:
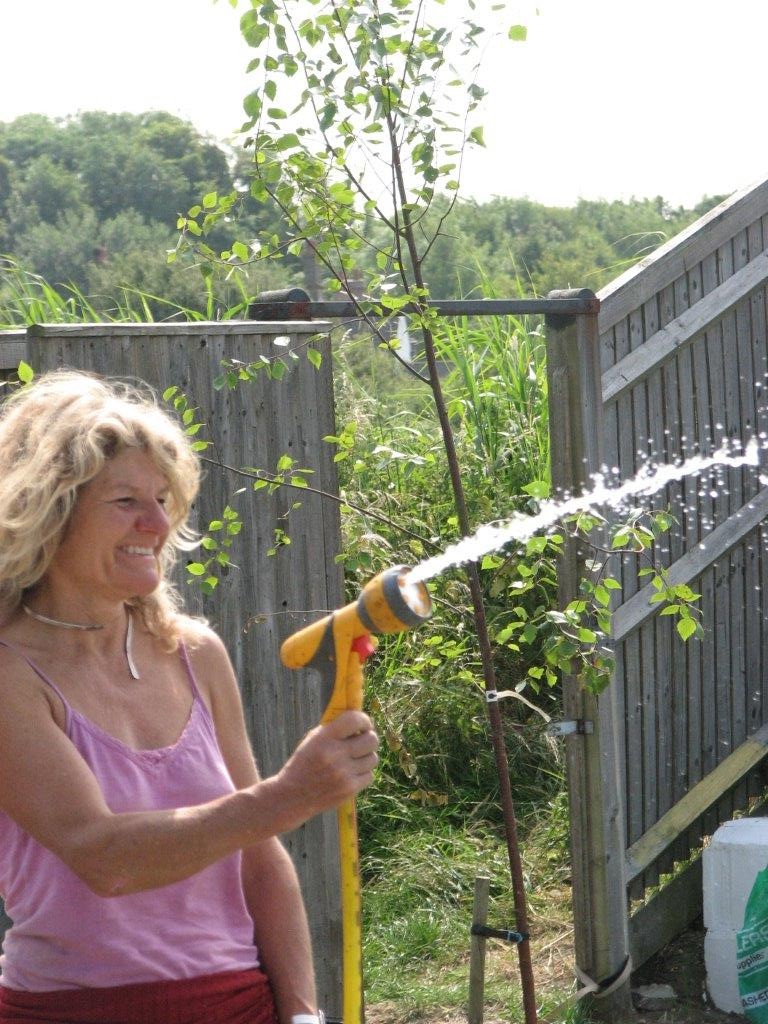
(267, 597)
(683, 358)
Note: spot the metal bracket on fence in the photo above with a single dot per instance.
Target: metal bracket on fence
(573, 727)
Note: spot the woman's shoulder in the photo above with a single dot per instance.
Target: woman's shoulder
(14, 663)
(208, 659)
(17, 651)
(198, 638)
(22, 689)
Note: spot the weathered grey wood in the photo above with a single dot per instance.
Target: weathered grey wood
(700, 798)
(13, 349)
(666, 914)
(684, 251)
(594, 776)
(633, 613)
(684, 358)
(688, 658)
(684, 329)
(662, 641)
(256, 606)
(736, 374)
(475, 1003)
(195, 329)
(671, 910)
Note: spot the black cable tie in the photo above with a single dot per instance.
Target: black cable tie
(498, 933)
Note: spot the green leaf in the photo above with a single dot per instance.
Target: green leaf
(209, 200)
(315, 357)
(241, 250)
(25, 372)
(518, 33)
(686, 628)
(538, 489)
(601, 595)
(491, 562)
(195, 568)
(476, 136)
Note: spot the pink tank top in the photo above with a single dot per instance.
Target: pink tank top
(63, 936)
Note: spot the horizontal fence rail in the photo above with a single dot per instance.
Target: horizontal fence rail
(295, 304)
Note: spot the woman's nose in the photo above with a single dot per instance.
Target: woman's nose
(153, 519)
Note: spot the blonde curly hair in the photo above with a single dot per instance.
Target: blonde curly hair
(56, 434)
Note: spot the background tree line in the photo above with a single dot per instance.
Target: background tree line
(92, 201)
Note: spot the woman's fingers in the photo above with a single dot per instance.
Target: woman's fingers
(332, 763)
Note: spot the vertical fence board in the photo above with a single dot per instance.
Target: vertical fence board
(599, 886)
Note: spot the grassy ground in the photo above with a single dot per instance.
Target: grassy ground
(418, 913)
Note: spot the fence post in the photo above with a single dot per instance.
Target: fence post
(477, 953)
(600, 906)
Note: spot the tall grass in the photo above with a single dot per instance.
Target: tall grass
(432, 822)
(27, 298)
(497, 389)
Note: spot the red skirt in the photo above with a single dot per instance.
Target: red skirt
(233, 997)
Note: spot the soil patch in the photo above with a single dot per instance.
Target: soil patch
(681, 965)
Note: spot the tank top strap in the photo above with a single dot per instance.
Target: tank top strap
(184, 655)
(38, 671)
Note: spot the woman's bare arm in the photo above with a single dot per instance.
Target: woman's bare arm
(51, 792)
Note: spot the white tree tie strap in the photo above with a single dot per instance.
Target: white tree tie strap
(600, 989)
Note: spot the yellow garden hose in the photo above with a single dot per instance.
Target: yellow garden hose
(337, 645)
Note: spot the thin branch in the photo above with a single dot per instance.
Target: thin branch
(259, 475)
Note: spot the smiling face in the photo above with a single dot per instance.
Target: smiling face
(114, 537)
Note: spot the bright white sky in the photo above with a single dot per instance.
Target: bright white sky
(607, 98)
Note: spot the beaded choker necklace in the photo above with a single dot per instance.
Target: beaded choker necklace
(89, 627)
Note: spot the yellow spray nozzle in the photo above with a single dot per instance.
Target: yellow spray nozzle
(388, 603)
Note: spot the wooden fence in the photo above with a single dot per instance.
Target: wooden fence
(268, 596)
(674, 364)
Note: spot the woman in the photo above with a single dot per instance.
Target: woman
(138, 852)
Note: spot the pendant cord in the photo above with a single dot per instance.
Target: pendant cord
(89, 627)
(59, 622)
(129, 649)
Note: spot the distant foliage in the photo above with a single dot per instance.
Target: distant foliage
(514, 246)
(91, 202)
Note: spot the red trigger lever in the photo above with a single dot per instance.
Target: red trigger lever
(363, 647)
